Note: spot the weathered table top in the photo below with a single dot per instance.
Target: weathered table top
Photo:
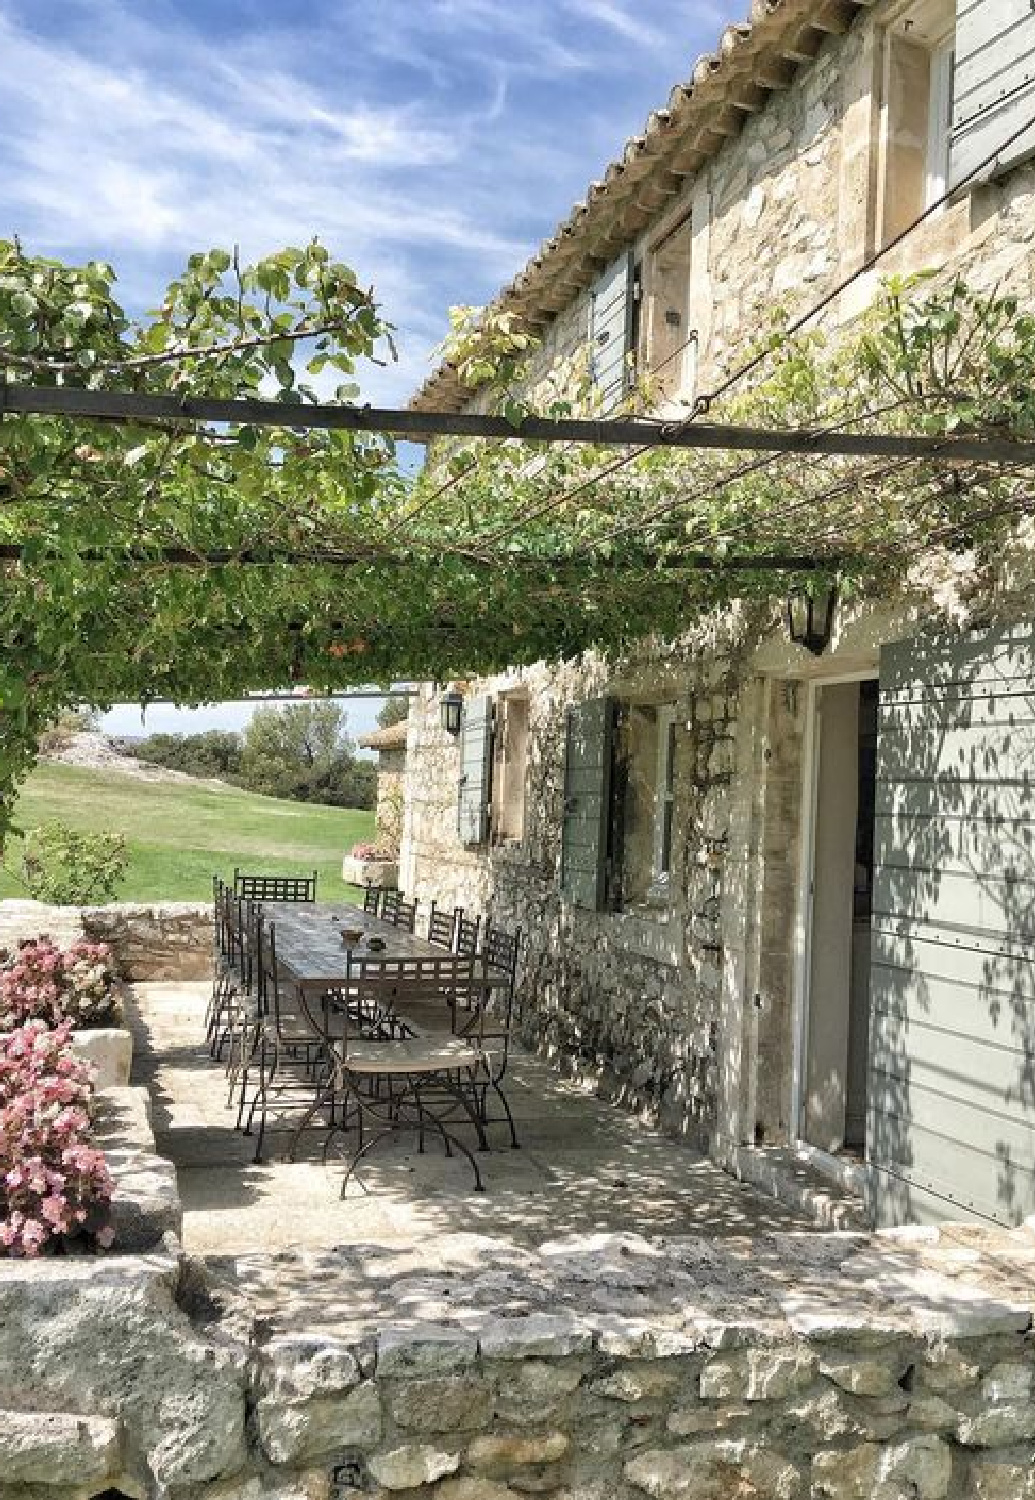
(308, 938)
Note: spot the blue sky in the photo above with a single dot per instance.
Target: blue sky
(430, 143)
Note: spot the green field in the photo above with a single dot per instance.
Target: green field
(179, 834)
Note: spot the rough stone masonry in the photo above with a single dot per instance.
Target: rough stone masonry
(606, 1367)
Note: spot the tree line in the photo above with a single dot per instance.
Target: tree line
(302, 752)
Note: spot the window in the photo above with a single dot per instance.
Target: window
(917, 112)
(643, 800)
(619, 800)
(669, 354)
(510, 752)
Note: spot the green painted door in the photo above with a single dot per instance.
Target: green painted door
(951, 1088)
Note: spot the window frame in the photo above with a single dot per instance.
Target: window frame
(506, 775)
(664, 800)
(939, 123)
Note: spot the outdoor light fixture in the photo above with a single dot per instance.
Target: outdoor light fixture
(810, 617)
(451, 707)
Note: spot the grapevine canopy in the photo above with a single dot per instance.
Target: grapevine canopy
(194, 562)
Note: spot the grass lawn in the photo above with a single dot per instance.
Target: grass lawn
(179, 834)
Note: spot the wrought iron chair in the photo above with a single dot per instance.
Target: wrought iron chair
(371, 900)
(405, 915)
(286, 1062)
(275, 887)
(232, 978)
(499, 958)
(442, 926)
(221, 957)
(390, 1084)
(389, 903)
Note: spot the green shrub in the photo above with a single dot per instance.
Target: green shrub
(68, 868)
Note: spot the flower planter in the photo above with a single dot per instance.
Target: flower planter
(379, 872)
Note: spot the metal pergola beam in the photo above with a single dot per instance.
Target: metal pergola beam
(546, 567)
(69, 401)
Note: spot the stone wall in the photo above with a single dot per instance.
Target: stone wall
(150, 940)
(603, 1368)
(686, 1010)
(628, 998)
(391, 777)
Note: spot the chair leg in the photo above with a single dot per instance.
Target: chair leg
(515, 1144)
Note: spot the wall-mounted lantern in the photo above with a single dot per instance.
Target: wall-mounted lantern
(810, 617)
(451, 708)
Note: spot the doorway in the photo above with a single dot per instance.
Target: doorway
(839, 860)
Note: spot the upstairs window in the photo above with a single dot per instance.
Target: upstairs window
(917, 112)
(669, 360)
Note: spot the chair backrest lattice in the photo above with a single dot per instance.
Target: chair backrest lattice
(500, 951)
(371, 900)
(465, 938)
(275, 887)
(222, 930)
(376, 991)
(389, 903)
(405, 915)
(442, 925)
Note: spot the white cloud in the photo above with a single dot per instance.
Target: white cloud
(433, 145)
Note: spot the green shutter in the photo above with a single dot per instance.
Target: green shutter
(951, 1098)
(993, 91)
(611, 320)
(587, 794)
(475, 772)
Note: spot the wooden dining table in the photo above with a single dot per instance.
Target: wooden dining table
(309, 945)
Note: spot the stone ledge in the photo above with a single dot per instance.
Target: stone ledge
(624, 1296)
(58, 1448)
(149, 939)
(780, 1173)
(146, 1203)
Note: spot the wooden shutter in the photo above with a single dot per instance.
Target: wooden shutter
(475, 772)
(994, 84)
(587, 793)
(951, 1094)
(610, 331)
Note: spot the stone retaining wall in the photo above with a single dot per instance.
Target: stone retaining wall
(602, 1368)
(150, 940)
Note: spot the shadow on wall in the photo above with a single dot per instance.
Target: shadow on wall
(952, 1080)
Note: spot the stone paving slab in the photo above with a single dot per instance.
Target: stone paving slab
(585, 1166)
(598, 1217)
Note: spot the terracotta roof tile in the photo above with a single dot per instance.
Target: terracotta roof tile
(391, 738)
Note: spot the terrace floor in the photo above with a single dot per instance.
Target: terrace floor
(585, 1166)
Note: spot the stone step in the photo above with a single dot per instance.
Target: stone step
(783, 1173)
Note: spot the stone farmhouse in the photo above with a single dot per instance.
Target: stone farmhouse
(781, 901)
(390, 744)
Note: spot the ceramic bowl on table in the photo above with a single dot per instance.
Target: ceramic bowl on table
(350, 936)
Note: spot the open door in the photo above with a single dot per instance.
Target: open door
(833, 1105)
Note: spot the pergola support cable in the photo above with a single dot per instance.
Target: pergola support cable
(123, 406)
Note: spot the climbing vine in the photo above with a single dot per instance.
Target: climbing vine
(193, 563)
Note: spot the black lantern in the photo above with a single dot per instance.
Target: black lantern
(451, 707)
(810, 617)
